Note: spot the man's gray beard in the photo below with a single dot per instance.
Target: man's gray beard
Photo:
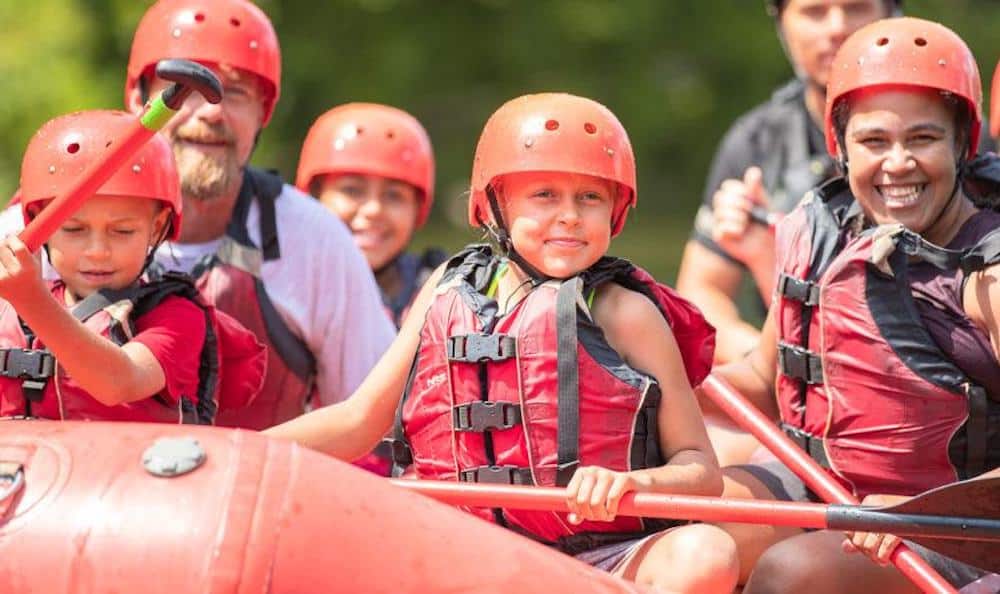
(203, 177)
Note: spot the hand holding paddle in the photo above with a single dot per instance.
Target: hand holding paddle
(188, 77)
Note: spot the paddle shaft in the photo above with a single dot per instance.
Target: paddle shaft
(63, 206)
(187, 77)
(715, 509)
(815, 477)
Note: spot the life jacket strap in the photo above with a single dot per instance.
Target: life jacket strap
(497, 475)
(483, 416)
(976, 431)
(809, 443)
(805, 292)
(795, 361)
(475, 348)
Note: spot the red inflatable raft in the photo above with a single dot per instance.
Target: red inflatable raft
(120, 508)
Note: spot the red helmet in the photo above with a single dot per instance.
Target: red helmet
(995, 104)
(553, 132)
(908, 52)
(231, 32)
(370, 139)
(64, 147)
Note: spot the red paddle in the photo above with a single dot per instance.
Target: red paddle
(970, 532)
(187, 77)
(815, 477)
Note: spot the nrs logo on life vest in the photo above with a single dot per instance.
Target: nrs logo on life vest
(436, 380)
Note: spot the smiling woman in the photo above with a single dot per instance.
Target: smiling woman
(880, 344)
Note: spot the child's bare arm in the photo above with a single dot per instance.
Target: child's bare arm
(110, 373)
(350, 429)
(635, 328)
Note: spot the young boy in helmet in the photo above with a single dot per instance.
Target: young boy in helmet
(373, 166)
(98, 344)
(522, 365)
(882, 351)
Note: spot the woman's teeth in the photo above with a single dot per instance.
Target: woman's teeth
(901, 195)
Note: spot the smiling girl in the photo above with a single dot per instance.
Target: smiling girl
(373, 166)
(98, 344)
(546, 362)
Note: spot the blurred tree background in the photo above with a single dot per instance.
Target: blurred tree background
(676, 73)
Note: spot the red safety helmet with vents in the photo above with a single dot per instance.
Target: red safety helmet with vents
(995, 104)
(231, 32)
(553, 132)
(370, 139)
(64, 147)
(905, 52)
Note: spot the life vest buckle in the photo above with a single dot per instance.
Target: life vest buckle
(482, 416)
(795, 361)
(805, 292)
(476, 348)
(27, 364)
(497, 475)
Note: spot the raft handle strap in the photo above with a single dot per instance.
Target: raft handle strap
(487, 415)
(14, 473)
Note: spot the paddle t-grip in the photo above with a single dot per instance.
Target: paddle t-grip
(188, 77)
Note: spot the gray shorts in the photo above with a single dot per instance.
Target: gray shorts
(612, 558)
(786, 486)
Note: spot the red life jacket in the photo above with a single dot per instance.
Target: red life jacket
(230, 280)
(863, 387)
(527, 397)
(33, 384)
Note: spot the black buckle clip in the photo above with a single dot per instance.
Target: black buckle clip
(803, 291)
(496, 475)
(401, 453)
(28, 364)
(486, 416)
(475, 348)
(795, 361)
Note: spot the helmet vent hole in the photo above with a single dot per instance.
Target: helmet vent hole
(882, 41)
(590, 128)
(359, 130)
(552, 125)
(107, 144)
(390, 134)
(73, 148)
(234, 22)
(199, 17)
(920, 41)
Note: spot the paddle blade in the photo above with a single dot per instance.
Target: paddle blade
(975, 498)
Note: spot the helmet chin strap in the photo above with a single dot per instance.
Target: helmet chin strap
(502, 237)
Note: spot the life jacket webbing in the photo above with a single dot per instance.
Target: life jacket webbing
(568, 428)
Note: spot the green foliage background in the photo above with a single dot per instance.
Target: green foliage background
(676, 73)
